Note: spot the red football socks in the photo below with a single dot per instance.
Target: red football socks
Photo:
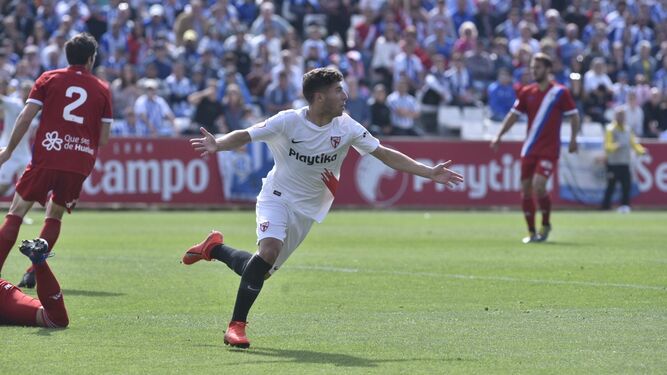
(8, 234)
(545, 207)
(528, 205)
(50, 232)
(51, 297)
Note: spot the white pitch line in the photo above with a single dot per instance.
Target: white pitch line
(473, 277)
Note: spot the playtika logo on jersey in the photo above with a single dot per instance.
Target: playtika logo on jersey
(312, 160)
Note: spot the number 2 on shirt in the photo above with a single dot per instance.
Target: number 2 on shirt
(67, 111)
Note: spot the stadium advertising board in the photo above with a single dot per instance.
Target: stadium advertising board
(169, 172)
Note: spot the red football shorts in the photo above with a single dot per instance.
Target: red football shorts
(532, 165)
(17, 308)
(36, 183)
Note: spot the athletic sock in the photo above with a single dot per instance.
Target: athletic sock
(545, 207)
(528, 205)
(50, 232)
(8, 234)
(252, 281)
(50, 295)
(236, 260)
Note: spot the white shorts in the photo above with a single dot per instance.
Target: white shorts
(275, 219)
(11, 168)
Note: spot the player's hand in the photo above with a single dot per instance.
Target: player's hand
(204, 145)
(443, 175)
(573, 147)
(494, 143)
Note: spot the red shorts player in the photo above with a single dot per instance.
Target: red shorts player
(49, 310)
(75, 121)
(545, 102)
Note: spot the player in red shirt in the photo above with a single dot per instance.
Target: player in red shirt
(545, 102)
(75, 121)
(49, 311)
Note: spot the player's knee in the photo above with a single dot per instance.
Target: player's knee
(269, 249)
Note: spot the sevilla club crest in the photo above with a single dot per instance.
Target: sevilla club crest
(264, 226)
(335, 141)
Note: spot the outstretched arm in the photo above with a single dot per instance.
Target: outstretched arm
(20, 128)
(210, 145)
(575, 122)
(399, 161)
(509, 121)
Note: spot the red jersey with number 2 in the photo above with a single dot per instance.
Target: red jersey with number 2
(74, 104)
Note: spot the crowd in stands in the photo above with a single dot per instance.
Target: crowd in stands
(175, 65)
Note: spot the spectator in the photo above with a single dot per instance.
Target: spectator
(621, 89)
(404, 109)
(595, 104)
(460, 82)
(280, 95)
(408, 63)
(436, 92)
(501, 96)
(642, 88)
(439, 17)
(618, 62)
(270, 42)
(124, 91)
(380, 112)
(234, 110)
(643, 62)
(128, 126)
(597, 76)
(192, 18)
(526, 31)
(509, 29)
(384, 53)
(439, 42)
(208, 109)
(267, 16)
(258, 80)
(619, 142)
(462, 15)
(634, 115)
(485, 21)
(467, 38)
(289, 66)
(655, 114)
(179, 87)
(480, 66)
(357, 101)
(570, 45)
(660, 80)
(153, 111)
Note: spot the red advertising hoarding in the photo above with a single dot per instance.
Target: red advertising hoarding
(168, 172)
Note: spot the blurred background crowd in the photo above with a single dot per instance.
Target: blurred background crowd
(175, 65)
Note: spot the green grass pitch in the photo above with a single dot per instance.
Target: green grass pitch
(381, 292)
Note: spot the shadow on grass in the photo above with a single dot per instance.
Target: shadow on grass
(90, 293)
(48, 331)
(309, 356)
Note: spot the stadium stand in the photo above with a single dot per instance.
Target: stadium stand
(185, 46)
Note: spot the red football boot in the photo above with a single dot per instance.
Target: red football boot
(235, 335)
(202, 250)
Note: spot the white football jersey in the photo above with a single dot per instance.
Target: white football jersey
(308, 158)
(12, 106)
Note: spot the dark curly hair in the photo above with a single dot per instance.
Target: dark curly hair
(319, 79)
(80, 48)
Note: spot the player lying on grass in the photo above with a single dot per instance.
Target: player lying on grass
(17, 308)
(308, 145)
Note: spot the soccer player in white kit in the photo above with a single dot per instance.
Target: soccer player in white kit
(12, 106)
(308, 145)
